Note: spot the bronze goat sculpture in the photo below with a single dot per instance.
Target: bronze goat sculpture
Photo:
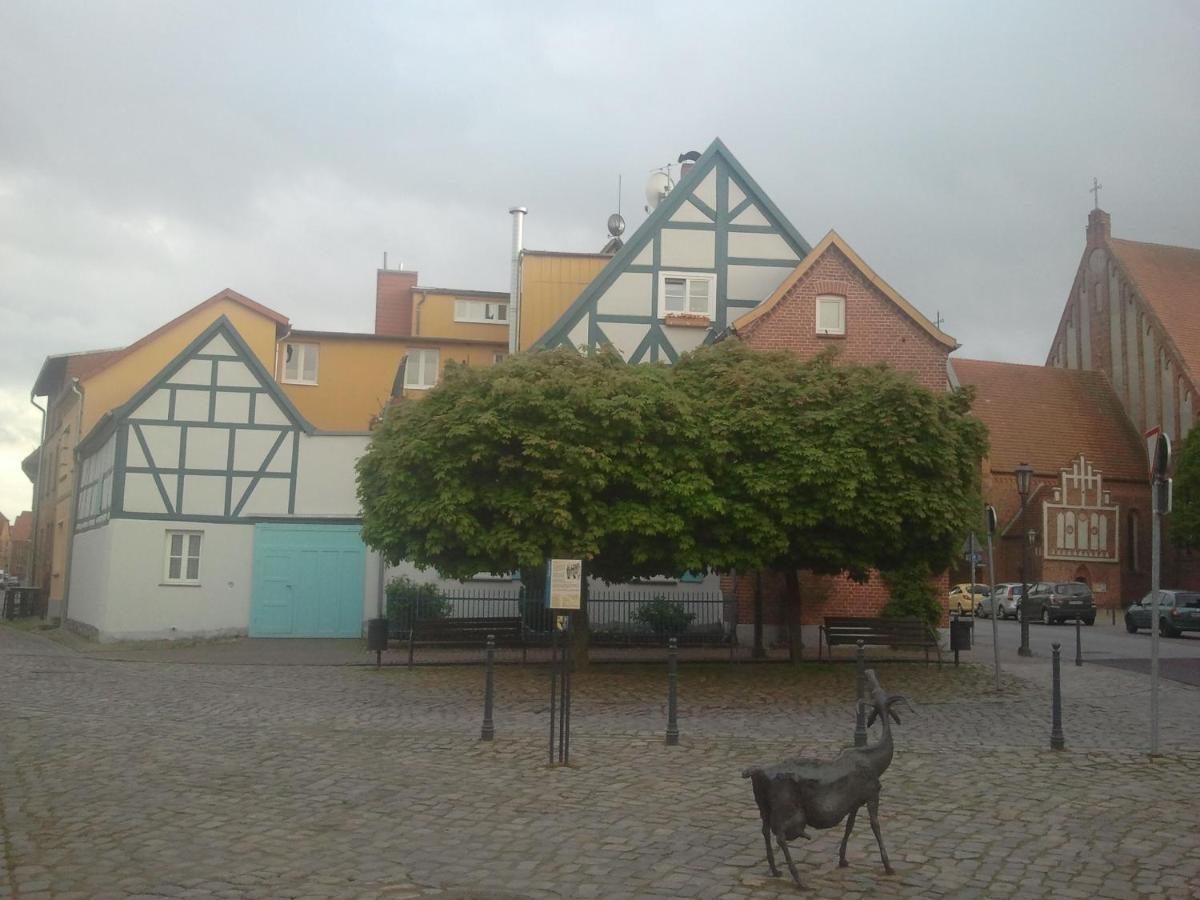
(796, 793)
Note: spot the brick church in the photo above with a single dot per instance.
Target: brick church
(1120, 366)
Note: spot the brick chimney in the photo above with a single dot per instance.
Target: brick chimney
(394, 301)
(1099, 228)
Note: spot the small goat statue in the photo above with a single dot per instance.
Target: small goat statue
(797, 792)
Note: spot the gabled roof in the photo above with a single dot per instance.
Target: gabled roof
(833, 239)
(98, 360)
(678, 195)
(1047, 416)
(1168, 280)
(108, 422)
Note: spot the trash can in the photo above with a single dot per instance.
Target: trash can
(960, 632)
(377, 634)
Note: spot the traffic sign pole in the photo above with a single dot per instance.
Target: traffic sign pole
(990, 517)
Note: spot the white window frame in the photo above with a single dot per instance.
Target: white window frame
(484, 312)
(186, 535)
(840, 329)
(417, 377)
(300, 351)
(689, 277)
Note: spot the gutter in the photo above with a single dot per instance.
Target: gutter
(31, 575)
(77, 389)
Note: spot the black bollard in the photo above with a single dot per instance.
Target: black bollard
(553, 684)
(1078, 643)
(672, 688)
(489, 729)
(860, 716)
(1056, 732)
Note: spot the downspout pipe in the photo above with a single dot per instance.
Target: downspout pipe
(514, 285)
(31, 574)
(77, 389)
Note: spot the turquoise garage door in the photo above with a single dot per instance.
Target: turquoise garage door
(308, 581)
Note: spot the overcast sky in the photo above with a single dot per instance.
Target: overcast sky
(152, 153)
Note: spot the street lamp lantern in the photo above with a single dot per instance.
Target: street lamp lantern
(1024, 473)
(1032, 535)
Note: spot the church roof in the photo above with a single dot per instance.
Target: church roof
(1046, 416)
(1168, 279)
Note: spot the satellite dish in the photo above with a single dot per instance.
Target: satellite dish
(616, 225)
(658, 185)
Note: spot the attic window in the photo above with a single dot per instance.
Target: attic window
(687, 295)
(300, 363)
(480, 311)
(831, 315)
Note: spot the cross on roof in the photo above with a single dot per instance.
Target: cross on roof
(1094, 190)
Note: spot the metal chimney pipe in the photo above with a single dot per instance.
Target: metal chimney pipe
(514, 297)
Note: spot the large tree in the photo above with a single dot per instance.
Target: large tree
(548, 455)
(831, 468)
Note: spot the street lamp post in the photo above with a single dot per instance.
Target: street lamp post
(1024, 474)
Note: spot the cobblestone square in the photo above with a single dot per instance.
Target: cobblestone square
(164, 779)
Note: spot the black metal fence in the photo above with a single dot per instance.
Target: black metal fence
(616, 618)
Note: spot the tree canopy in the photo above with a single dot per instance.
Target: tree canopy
(732, 458)
(1185, 514)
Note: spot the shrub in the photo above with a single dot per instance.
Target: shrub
(409, 601)
(913, 595)
(666, 618)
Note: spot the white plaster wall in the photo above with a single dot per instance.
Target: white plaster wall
(90, 562)
(690, 249)
(325, 483)
(140, 607)
(760, 245)
(754, 282)
(629, 294)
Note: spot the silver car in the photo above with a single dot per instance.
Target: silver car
(1004, 598)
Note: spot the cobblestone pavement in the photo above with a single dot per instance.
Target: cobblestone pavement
(123, 779)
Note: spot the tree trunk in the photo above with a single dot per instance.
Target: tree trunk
(792, 605)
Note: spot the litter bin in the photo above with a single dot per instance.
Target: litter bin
(377, 634)
(961, 628)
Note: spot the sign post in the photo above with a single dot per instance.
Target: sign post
(564, 592)
(1160, 499)
(989, 515)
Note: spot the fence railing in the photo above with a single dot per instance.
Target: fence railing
(616, 618)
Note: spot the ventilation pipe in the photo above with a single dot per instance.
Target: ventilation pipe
(514, 296)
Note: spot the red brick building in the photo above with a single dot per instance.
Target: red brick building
(1134, 314)
(833, 299)
(1089, 502)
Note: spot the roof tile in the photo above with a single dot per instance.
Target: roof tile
(1168, 279)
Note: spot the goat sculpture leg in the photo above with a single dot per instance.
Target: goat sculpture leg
(770, 852)
(788, 856)
(873, 809)
(846, 837)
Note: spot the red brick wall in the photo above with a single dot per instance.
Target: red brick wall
(876, 329)
(394, 301)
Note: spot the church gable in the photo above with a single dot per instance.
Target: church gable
(715, 247)
(210, 438)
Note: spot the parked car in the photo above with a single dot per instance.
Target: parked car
(1057, 601)
(1178, 611)
(965, 597)
(1005, 598)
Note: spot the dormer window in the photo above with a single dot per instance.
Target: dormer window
(300, 363)
(687, 295)
(484, 311)
(831, 315)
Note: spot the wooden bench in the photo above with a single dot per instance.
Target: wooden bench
(467, 632)
(878, 632)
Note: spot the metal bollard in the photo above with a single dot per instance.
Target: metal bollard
(1056, 732)
(672, 691)
(489, 729)
(860, 716)
(1078, 643)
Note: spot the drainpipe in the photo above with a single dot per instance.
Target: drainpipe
(31, 573)
(77, 389)
(514, 285)
(279, 342)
